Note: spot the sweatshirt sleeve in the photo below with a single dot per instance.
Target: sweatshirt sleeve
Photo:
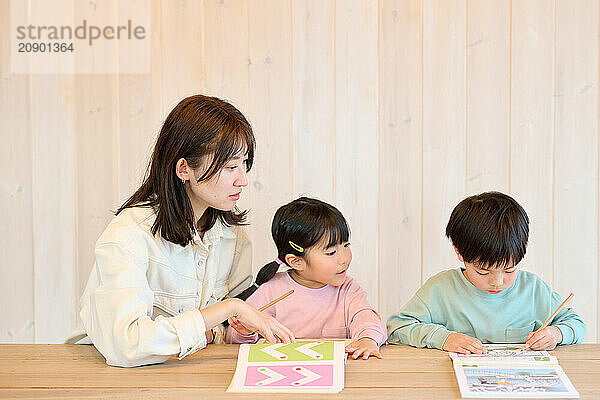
(363, 320)
(568, 321)
(117, 314)
(413, 325)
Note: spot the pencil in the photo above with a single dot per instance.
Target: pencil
(545, 324)
(269, 304)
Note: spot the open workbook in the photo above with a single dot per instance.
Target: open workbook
(304, 366)
(507, 372)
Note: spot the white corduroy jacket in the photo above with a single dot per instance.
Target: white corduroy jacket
(142, 300)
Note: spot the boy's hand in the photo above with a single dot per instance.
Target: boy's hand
(365, 346)
(463, 344)
(544, 339)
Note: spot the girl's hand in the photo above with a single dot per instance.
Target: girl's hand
(463, 344)
(255, 321)
(544, 339)
(237, 325)
(365, 347)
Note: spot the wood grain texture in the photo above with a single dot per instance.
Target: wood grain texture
(16, 186)
(270, 94)
(444, 125)
(71, 371)
(532, 126)
(488, 95)
(356, 139)
(576, 157)
(400, 153)
(313, 92)
(393, 111)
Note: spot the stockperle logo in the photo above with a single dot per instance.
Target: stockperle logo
(80, 36)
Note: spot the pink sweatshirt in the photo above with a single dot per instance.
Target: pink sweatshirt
(328, 312)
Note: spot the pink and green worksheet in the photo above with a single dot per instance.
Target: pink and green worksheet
(305, 366)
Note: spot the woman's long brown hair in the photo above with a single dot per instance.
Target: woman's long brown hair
(199, 126)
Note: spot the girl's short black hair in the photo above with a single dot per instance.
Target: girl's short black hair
(490, 230)
(303, 222)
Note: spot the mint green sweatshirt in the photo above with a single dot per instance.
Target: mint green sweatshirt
(449, 303)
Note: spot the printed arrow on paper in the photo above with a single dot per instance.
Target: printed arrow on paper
(307, 349)
(273, 352)
(309, 376)
(272, 376)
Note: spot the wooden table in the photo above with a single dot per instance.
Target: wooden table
(77, 371)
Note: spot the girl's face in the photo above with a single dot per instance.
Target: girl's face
(324, 266)
(222, 190)
(493, 280)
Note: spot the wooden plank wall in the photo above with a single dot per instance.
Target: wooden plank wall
(393, 110)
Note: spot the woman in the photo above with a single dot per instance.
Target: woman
(176, 247)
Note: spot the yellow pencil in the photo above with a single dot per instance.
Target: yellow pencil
(269, 304)
(545, 324)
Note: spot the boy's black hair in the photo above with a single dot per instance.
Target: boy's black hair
(304, 222)
(490, 230)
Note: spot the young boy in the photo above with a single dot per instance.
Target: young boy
(489, 300)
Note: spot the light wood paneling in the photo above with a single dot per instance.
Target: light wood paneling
(54, 156)
(313, 93)
(576, 157)
(400, 153)
(182, 47)
(488, 64)
(139, 114)
(270, 93)
(95, 131)
(393, 111)
(356, 149)
(532, 126)
(444, 114)
(16, 231)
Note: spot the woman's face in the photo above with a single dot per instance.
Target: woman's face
(222, 190)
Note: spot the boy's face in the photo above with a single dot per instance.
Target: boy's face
(490, 279)
(493, 280)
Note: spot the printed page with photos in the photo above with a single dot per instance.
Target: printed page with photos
(507, 372)
(505, 354)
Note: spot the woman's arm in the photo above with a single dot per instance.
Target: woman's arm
(117, 309)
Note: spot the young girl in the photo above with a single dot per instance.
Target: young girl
(176, 249)
(312, 240)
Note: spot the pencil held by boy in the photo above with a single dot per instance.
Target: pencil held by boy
(312, 240)
(489, 299)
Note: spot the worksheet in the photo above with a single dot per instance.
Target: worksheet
(305, 366)
(506, 371)
(505, 354)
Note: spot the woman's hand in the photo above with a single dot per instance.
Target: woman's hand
(209, 336)
(365, 347)
(237, 325)
(544, 339)
(463, 344)
(248, 319)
